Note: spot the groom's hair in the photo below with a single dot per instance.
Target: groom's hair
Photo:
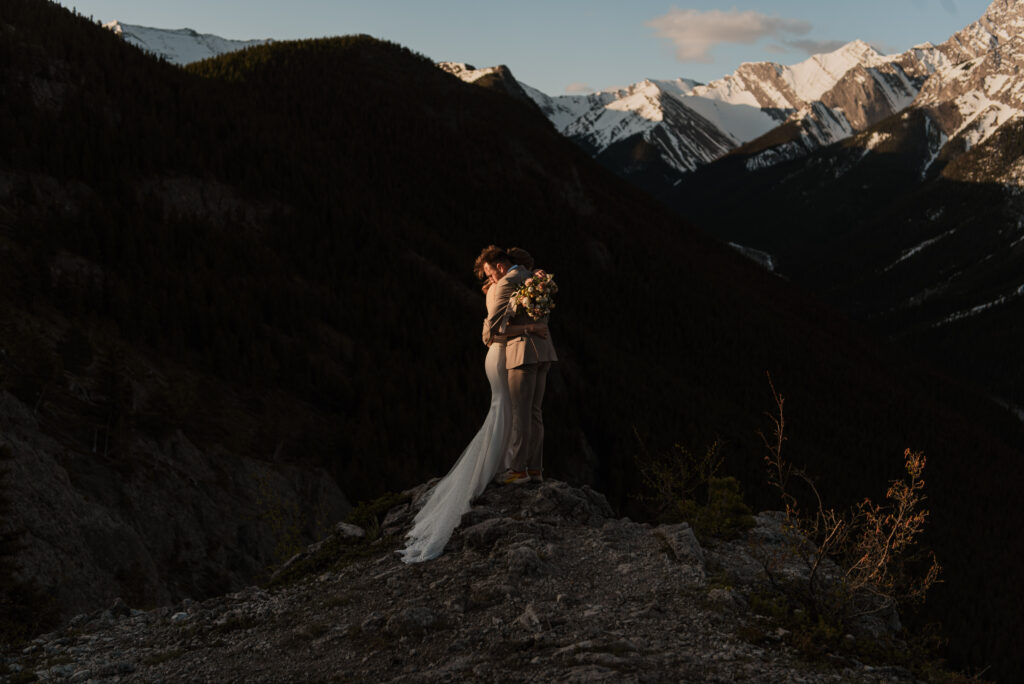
(518, 255)
(491, 254)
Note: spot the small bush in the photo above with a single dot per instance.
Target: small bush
(685, 487)
(283, 517)
(369, 515)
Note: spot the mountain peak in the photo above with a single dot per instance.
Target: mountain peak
(858, 49)
(179, 46)
(1002, 21)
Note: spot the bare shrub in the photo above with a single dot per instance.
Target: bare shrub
(859, 561)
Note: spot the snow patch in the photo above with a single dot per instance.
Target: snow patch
(741, 122)
(980, 308)
(936, 141)
(907, 253)
(983, 117)
(813, 77)
(765, 259)
(181, 46)
(466, 72)
(995, 83)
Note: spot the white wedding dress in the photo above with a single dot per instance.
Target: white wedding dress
(470, 475)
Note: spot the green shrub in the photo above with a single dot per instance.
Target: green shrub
(685, 487)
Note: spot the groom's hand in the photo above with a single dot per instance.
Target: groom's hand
(538, 329)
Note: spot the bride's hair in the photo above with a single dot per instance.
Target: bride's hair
(518, 255)
(478, 271)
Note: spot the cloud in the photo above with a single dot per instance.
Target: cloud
(816, 47)
(576, 88)
(775, 48)
(694, 33)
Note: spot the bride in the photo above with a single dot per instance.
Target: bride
(485, 454)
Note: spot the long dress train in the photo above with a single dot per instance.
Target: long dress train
(470, 475)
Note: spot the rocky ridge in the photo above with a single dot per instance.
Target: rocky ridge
(178, 46)
(167, 521)
(539, 582)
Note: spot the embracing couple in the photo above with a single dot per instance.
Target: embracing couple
(509, 446)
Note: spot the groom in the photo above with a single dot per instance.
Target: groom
(528, 358)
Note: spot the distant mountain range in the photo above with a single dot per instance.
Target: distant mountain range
(181, 46)
(783, 112)
(689, 124)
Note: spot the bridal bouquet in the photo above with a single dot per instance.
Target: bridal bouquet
(535, 295)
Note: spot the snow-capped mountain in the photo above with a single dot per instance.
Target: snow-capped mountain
(467, 72)
(969, 100)
(179, 46)
(1002, 21)
(870, 90)
(969, 86)
(774, 113)
(654, 110)
(496, 78)
(824, 98)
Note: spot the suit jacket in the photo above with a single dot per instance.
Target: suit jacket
(522, 350)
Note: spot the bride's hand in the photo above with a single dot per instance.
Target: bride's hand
(538, 329)
(540, 273)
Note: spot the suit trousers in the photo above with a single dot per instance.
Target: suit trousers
(526, 386)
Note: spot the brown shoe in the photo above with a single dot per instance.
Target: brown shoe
(516, 477)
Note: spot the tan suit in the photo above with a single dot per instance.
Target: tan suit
(528, 359)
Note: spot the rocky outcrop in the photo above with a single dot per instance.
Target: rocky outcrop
(172, 522)
(540, 582)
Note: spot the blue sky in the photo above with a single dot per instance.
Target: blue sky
(573, 45)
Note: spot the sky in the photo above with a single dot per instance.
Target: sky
(565, 46)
